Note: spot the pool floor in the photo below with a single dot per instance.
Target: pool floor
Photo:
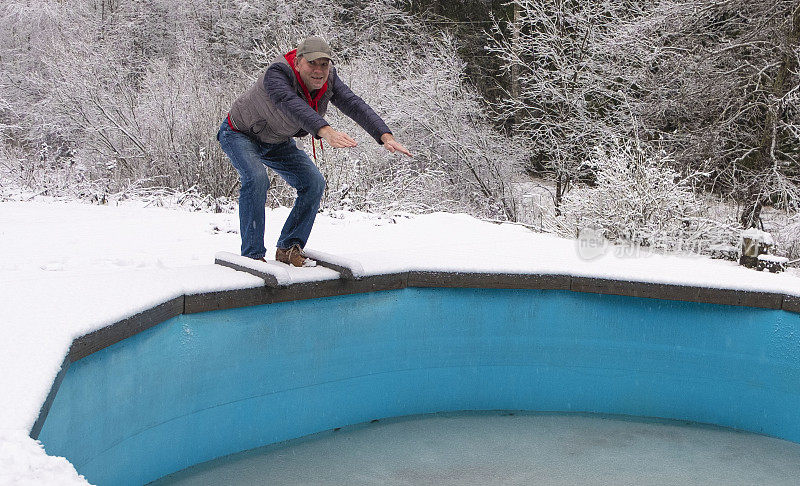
(507, 448)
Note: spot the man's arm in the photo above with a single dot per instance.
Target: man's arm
(280, 87)
(354, 107)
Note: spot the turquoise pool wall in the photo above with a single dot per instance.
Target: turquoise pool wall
(200, 386)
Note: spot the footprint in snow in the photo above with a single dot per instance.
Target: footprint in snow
(53, 267)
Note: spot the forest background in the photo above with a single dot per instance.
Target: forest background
(669, 124)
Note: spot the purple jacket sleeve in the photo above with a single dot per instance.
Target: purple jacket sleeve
(280, 85)
(353, 106)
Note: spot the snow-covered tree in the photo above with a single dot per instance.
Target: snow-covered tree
(566, 95)
(639, 199)
(713, 83)
(719, 92)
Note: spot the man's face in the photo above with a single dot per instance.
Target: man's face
(313, 73)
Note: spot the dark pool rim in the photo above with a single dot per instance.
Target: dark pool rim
(94, 341)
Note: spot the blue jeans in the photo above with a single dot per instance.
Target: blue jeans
(251, 159)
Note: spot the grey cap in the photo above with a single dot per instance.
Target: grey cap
(314, 47)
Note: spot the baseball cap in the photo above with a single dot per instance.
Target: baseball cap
(314, 47)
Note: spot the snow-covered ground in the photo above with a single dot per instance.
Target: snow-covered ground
(68, 268)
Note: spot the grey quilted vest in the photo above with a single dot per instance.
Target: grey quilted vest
(256, 115)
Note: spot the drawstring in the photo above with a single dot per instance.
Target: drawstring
(314, 148)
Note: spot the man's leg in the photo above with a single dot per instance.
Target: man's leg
(247, 157)
(296, 168)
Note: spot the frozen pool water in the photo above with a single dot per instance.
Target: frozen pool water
(510, 448)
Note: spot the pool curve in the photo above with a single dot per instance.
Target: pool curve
(207, 375)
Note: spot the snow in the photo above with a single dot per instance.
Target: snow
(284, 274)
(69, 268)
(773, 258)
(758, 235)
(23, 462)
(354, 266)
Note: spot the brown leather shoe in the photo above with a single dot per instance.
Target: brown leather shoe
(294, 256)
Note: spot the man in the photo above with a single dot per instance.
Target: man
(289, 100)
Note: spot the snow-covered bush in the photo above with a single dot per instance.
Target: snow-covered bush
(787, 239)
(639, 199)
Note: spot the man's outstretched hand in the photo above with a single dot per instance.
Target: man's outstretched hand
(335, 138)
(393, 145)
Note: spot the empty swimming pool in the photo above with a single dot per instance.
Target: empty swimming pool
(204, 385)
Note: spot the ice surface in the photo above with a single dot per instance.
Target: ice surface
(521, 449)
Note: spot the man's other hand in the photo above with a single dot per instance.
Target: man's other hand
(335, 138)
(393, 145)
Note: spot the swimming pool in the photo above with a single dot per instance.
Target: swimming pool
(202, 385)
